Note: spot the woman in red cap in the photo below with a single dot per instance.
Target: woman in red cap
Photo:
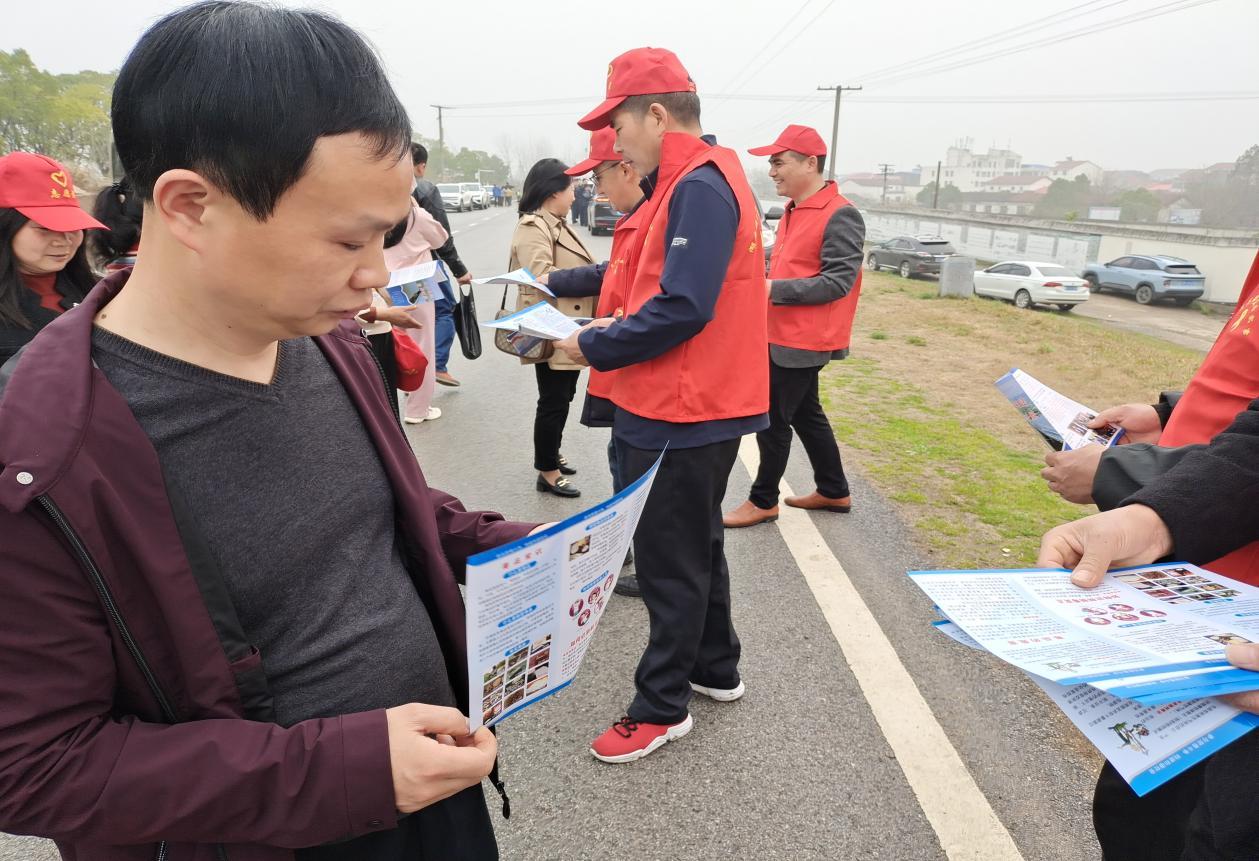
(43, 262)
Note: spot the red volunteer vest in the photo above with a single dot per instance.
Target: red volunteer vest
(1224, 385)
(723, 372)
(615, 283)
(798, 254)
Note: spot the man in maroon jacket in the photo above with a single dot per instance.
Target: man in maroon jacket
(229, 626)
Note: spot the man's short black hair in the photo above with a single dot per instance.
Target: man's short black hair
(240, 92)
(683, 107)
(419, 153)
(821, 159)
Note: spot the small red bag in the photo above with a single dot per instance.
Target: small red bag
(411, 361)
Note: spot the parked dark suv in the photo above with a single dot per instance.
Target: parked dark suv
(910, 255)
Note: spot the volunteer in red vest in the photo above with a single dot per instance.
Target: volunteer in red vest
(690, 375)
(619, 182)
(814, 283)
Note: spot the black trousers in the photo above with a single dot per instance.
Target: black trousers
(555, 393)
(680, 558)
(794, 404)
(456, 829)
(1209, 813)
(382, 346)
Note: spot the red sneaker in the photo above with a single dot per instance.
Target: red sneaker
(628, 740)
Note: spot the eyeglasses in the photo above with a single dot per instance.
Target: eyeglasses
(598, 173)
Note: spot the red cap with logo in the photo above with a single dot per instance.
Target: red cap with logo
(801, 139)
(640, 72)
(43, 191)
(602, 149)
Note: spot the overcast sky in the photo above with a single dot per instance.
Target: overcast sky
(472, 52)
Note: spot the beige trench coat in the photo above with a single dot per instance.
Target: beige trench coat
(543, 243)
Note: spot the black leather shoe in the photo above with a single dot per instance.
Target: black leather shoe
(561, 488)
(628, 586)
(629, 558)
(565, 469)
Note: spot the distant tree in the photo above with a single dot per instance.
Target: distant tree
(463, 165)
(1065, 196)
(950, 195)
(1139, 205)
(1235, 202)
(64, 116)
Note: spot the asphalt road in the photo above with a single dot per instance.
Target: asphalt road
(1187, 327)
(798, 769)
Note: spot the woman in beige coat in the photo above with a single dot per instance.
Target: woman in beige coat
(542, 243)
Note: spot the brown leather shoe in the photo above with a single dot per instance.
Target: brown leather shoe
(817, 502)
(748, 514)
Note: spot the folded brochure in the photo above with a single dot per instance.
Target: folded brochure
(539, 321)
(1062, 422)
(533, 605)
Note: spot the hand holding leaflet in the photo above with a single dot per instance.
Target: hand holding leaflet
(539, 321)
(1062, 422)
(534, 604)
(518, 277)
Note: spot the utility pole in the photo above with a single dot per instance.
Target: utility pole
(884, 168)
(839, 90)
(935, 198)
(441, 140)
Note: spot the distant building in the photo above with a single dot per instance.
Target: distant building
(968, 170)
(1016, 183)
(1126, 180)
(998, 203)
(1072, 169)
(901, 187)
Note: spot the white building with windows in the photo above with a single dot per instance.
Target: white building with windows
(970, 171)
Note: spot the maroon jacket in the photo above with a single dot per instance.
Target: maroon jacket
(133, 711)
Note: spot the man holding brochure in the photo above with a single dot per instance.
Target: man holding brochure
(691, 379)
(814, 283)
(1204, 508)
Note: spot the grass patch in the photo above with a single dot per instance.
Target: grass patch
(931, 431)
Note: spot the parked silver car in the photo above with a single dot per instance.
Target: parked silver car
(1148, 278)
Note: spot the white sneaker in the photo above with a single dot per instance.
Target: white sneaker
(721, 695)
(433, 413)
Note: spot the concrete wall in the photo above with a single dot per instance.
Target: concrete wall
(1223, 256)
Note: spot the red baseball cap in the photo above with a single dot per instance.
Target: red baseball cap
(601, 150)
(801, 139)
(42, 190)
(640, 72)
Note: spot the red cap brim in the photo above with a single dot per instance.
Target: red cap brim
(772, 149)
(61, 219)
(602, 115)
(583, 167)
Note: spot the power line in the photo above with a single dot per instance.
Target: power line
(1054, 19)
(1016, 99)
(752, 72)
(729, 87)
(1156, 12)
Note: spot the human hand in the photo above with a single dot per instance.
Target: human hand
(465, 278)
(1070, 473)
(542, 527)
(398, 315)
(433, 755)
(1139, 422)
(571, 347)
(1245, 656)
(544, 278)
(1132, 535)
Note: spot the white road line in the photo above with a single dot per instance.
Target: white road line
(963, 820)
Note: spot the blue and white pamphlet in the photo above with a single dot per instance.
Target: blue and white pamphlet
(1148, 745)
(1061, 422)
(534, 604)
(423, 282)
(539, 321)
(521, 276)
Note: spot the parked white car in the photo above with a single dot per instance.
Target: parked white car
(476, 194)
(1026, 284)
(455, 196)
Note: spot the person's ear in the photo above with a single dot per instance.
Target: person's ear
(659, 117)
(182, 199)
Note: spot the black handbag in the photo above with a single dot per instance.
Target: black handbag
(466, 326)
